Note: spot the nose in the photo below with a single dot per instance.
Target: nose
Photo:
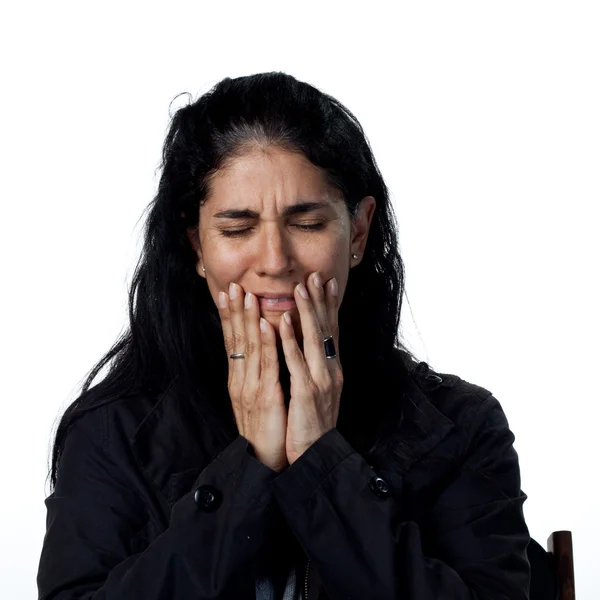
(274, 251)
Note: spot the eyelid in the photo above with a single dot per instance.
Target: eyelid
(300, 224)
(315, 226)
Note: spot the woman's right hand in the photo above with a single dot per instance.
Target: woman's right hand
(253, 382)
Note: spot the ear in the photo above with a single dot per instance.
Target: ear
(361, 224)
(194, 238)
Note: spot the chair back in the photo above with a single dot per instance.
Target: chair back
(552, 576)
(560, 547)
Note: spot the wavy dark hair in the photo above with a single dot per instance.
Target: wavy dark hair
(175, 338)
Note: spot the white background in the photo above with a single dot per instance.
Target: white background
(484, 118)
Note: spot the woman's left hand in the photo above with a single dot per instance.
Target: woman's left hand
(315, 381)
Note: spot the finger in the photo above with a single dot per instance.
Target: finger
(253, 342)
(294, 357)
(269, 368)
(316, 291)
(225, 316)
(313, 334)
(332, 308)
(233, 382)
(238, 333)
(325, 306)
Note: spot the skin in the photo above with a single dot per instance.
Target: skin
(275, 255)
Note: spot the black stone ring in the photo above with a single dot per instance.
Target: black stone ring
(329, 347)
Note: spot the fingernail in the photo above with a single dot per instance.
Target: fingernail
(232, 291)
(222, 300)
(302, 291)
(288, 319)
(247, 300)
(333, 287)
(317, 280)
(263, 325)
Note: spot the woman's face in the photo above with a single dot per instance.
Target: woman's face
(252, 229)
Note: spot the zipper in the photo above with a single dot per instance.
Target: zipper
(306, 580)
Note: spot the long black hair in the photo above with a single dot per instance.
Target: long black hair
(175, 338)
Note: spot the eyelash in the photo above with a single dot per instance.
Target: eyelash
(242, 232)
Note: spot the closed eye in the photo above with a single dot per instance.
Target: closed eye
(243, 232)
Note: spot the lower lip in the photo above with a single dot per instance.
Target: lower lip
(268, 304)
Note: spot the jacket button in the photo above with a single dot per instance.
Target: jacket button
(380, 487)
(208, 498)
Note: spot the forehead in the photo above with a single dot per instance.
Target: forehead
(270, 174)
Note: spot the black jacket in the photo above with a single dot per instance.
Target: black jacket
(141, 511)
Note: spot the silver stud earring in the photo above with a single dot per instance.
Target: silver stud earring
(354, 256)
(204, 269)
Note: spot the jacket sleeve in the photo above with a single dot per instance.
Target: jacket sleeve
(93, 516)
(363, 549)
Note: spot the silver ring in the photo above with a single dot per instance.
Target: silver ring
(237, 356)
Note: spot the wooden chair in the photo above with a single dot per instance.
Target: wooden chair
(560, 547)
(552, 575)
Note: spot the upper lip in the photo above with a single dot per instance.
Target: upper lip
(274, 295)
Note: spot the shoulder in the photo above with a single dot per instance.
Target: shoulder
(471, 407)
(444, 419)
(120, 417)
(465, 403)
(456, 397)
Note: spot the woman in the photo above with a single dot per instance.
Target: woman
(262, 433)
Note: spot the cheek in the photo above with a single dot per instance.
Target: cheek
(334, 263)
(225, 266)
(225, 262)
(326, 253)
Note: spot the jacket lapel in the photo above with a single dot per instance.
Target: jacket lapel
(422, 428)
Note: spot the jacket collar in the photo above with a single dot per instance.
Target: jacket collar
(422, 426)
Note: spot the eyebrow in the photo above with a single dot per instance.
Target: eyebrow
(294, 209)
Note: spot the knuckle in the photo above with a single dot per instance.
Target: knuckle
(229, 344)
(317, 336)
(234, 392)
(237, 339)
(315, 390)
(327, 385)
(248, 399)
(251, 347)
(267, 361)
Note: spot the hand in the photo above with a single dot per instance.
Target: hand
(315, 381)
(253, 382)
